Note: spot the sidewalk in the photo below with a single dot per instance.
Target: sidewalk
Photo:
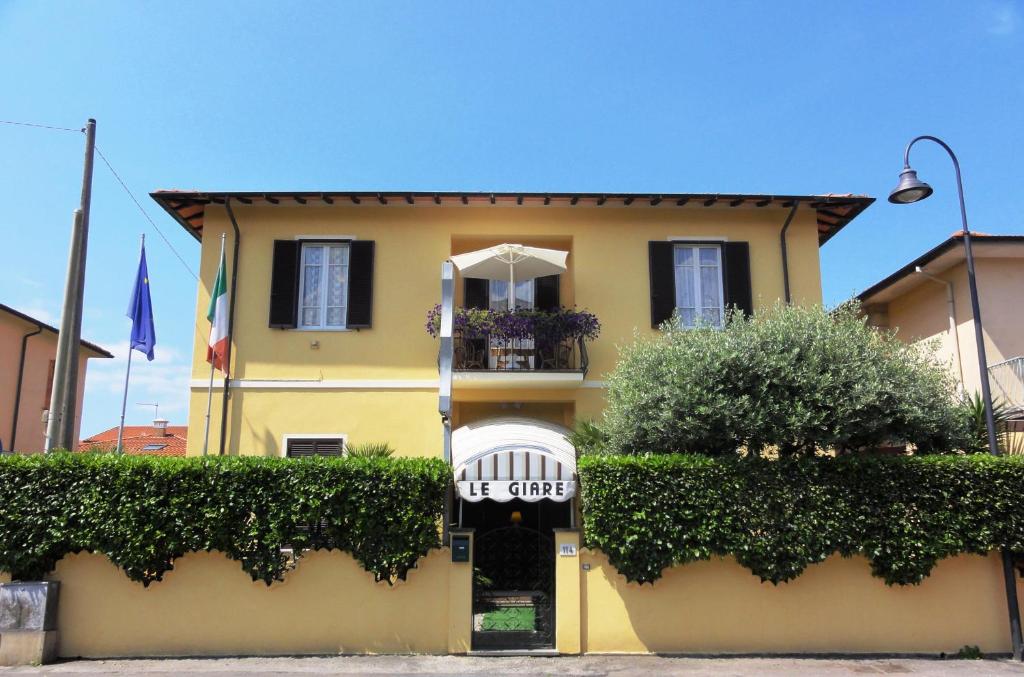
(492, 667)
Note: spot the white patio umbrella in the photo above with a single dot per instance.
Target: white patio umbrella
(517, 261)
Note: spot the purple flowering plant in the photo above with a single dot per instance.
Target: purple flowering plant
(553, 326)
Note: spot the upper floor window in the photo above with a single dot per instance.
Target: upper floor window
(688, 281)
(323, 299)
(699, 290)
(322, 284)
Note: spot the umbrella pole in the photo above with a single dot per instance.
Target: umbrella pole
(511, 286)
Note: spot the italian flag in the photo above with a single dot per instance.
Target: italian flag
(218, 317)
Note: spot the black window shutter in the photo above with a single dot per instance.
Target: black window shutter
(477, 293)
(738, 291)
(663, 281)
(545, 293)
(284, 284)
(360, 284)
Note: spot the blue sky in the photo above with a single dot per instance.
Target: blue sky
(794, 97)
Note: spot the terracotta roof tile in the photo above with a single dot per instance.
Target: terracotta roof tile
(136, 437)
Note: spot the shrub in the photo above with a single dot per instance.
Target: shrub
(588, 438)
(903, 513)
(370, 450)
(972, 408)
(790, 380)
(143, 512)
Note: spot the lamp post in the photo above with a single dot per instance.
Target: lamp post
(909, 190)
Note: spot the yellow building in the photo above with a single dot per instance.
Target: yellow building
(373, 376)
(928, 300)
(330, 292)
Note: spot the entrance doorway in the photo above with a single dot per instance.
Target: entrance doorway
(514, 572)
(515, 479)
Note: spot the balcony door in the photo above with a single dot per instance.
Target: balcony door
(498, 294)
(517, 354)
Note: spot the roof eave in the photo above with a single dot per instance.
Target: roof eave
(100, 352)
(834, 211)
(929, 256)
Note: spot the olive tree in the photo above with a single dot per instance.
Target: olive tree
(790, 380)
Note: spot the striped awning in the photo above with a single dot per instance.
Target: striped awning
(506, 458)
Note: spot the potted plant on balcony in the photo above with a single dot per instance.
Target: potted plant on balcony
(552, 334)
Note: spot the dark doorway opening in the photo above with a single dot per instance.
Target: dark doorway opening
(514, 572)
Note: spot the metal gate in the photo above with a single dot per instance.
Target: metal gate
(513, 589)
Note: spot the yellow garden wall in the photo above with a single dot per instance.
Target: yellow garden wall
(208, 606)
(835, 606)
(328, 604)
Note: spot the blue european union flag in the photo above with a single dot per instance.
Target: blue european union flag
(140, 310)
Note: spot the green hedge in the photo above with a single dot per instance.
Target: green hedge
(144, 512)
(904, 514)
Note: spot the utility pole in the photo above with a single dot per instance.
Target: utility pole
(60, 424)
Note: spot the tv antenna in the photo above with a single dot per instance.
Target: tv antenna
(155, 405)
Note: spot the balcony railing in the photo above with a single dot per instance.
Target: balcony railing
(521, 341)
(1006, 380)
(531, 354)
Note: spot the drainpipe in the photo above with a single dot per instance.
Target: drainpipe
(785, 254)
(231, 328)
(951, 304)
(17, 388)
(444, 391)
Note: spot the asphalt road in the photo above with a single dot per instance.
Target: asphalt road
(493, 667)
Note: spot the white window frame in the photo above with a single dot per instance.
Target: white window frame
(696, 246)
(283, 451)
(326, 244)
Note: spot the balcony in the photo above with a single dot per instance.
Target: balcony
(518, 348)
(1006, 380)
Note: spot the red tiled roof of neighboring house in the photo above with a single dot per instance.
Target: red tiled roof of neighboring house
(137, 438)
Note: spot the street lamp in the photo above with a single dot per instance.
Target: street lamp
(909, 190)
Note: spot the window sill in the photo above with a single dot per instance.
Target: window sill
(329, 329)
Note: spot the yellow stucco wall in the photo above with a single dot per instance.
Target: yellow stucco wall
(608, 275)
(208, 606)
(328, 604)
(835, 606)
(460, 600)
(568, 602)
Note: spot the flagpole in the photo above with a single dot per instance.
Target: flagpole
(124, 402)
(213, 362)
(209, 401)
(128, 371)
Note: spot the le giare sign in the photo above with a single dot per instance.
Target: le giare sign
(506, 490)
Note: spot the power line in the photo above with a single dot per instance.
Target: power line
(144, 212)
(119, 180)
(34, 124)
